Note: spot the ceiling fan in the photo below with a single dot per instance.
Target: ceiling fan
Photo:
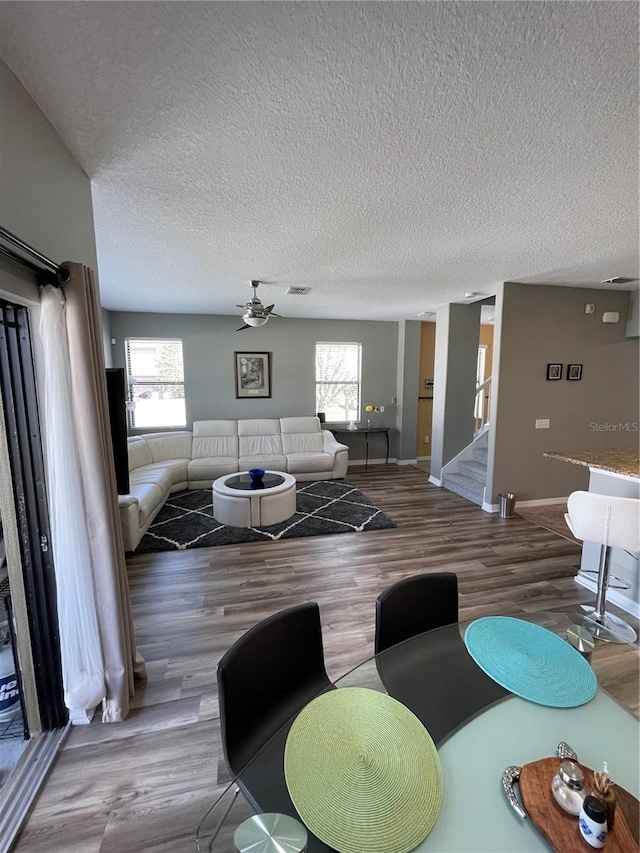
(255, 313)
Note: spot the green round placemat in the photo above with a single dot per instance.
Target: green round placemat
(363, 772)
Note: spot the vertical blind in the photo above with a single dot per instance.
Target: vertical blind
(155, 372)
(338, 377)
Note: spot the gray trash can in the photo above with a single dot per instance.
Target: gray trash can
(507, 505)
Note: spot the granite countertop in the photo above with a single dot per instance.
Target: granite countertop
(619, 461)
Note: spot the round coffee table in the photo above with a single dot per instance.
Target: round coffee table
(238, 502)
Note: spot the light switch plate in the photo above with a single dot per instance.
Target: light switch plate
(543, 423)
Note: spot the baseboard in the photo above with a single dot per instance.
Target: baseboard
(613, 595)
(423, 459)
(487, 507)
(407, 461)
(356, 463)
(543, 502)
(434, 480)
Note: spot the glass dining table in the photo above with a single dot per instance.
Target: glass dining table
(479, 729)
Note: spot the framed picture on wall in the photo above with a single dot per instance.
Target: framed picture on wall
(574, 371)
(554, 371)
(253, 374)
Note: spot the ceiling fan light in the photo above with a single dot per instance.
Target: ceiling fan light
(254, 321)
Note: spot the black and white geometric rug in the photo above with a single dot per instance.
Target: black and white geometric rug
(322, 507)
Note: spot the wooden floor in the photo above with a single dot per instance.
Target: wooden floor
(550, 516)
(146, 783)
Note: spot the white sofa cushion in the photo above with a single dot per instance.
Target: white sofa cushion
(164, 474)
(260, 444)
(150, 498)
(309, 463)
(139, 452)
(304, 446)
(268, 461)
(215, 440)
(214, 452)
(202, 472)
(301, 435)
(169, 445)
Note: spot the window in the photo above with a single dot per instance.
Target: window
(481, 398)
(156, 383)
(480, 364)
(338, 381)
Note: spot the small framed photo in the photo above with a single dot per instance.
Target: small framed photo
(253, 374)
(554, 371)
(574, 371)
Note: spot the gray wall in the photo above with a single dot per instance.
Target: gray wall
(456, 358)
(105, 318)
(537, 325)
(209, 342)
(45, 197)
(633, 323)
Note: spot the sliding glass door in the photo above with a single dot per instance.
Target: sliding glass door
(32, 710)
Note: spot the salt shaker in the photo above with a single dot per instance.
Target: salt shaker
(593, 822)
(567, 787)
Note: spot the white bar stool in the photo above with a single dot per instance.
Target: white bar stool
(610, 522)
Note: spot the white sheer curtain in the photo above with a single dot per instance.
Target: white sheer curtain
(82, 669)
(99, 657)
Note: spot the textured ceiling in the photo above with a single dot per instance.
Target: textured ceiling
(390, 156)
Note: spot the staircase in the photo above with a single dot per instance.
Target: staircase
(466, 475)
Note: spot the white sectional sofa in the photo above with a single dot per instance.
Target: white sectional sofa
(165, 462)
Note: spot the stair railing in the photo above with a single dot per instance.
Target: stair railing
(482, 405)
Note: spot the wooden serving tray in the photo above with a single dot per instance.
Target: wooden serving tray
(561, 829)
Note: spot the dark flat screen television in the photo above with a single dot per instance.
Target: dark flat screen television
(117, 396)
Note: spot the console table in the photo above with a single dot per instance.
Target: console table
(366, 431)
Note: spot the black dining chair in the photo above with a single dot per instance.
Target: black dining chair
(268, 675)
(415, 605)
(409, 654)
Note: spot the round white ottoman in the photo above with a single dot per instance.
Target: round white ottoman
(237, 504)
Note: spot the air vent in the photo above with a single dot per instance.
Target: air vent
(298, 291)
(618, 279)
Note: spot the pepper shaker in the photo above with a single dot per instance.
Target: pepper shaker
(593, 822)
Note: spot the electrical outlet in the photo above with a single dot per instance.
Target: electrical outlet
(382, 408)
(425, 439)
(543, 423)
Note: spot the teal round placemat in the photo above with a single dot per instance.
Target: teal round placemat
(363, 772)
(531, 661)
